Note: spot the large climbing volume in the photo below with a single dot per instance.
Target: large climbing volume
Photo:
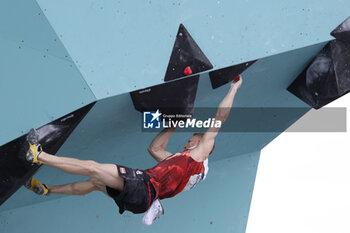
(15, 170)
(327, 77)
(186, 58)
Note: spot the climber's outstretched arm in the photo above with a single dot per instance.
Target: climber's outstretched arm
(202, 151)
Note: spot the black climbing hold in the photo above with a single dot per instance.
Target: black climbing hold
(342, 32)
(14, 170)
(176, 97)
(220, 77)
(186, 53)
(326, 78)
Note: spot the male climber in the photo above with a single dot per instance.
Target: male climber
(137, 190)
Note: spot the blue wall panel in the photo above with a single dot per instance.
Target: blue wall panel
(38, 80)
(219, 204)
(23, 23)
(120, 46)
(35, 89)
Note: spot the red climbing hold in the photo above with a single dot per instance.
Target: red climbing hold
(188, 71)
(237, 78)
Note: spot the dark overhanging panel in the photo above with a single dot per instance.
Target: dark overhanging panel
(324, 80)
(186, 57)
(327, 77)
(308, 93)
(220, 77)
(342, 32)
(14, 170)
(176, 97)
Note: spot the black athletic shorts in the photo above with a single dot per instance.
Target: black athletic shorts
(138, 193)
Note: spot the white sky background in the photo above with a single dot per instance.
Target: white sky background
(303, 183)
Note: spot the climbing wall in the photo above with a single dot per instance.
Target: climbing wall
(60, 57)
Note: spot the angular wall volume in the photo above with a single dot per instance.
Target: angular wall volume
(15, 170)
(186, 54)
(328, 75)
(222, 76)
(177, 97)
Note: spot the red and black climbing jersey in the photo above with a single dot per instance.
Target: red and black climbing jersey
(176, 173)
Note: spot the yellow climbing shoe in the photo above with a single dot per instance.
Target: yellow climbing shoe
(37, 187)
(34, 147)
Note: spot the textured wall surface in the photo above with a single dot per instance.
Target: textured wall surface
(113, 40)
(38, 80)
